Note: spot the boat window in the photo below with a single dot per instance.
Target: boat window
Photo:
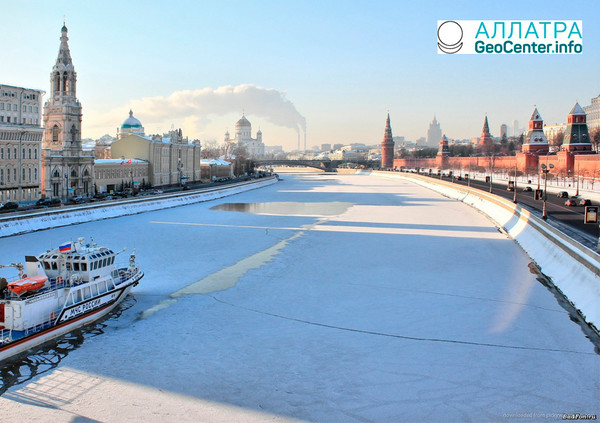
(54, 266)
(84, 267)
(77, 296)
(46, 265)
(69, 266)
(112, 260)
(86, 292)
(94, 290)
(76, 266)
(104, 262)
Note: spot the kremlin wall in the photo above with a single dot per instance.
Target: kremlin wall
(574, 158)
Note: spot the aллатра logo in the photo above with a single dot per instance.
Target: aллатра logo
(450, 36)
(509, 37)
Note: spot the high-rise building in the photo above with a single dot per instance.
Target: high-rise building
(387, 146)
(20, 143)
(593, 113)
(504, 131)
(68, 170)
(434, 133)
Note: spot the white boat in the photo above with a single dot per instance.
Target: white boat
(61, 290)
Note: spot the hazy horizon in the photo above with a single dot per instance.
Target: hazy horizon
(336, 67)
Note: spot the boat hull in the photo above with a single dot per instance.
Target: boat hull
(69, 320)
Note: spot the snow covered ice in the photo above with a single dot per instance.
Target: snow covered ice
(402, 305)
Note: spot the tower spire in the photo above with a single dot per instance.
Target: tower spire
(387, 146)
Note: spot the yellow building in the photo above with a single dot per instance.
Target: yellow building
(172, 159)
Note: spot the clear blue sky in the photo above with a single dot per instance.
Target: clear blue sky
(342, 64)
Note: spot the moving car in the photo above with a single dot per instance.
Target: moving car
(563, 194)
(585, 202)
(527, 189)
(571, 202)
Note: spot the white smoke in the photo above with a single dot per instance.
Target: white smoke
(195, 106)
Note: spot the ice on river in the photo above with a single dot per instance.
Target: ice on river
(402, 305)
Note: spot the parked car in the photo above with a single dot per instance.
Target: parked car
(563, 194)
(527, 189)
(76, 200)
(47, 202)
(585, 202)
(10, 206)
(571, 202)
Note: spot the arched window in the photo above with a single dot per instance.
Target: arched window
(86, 173)
(22, 174)
(29, 172)
(35, 176)
(55, 133)
(35, 153)
(29, 153)
(56, 174)
(73, 173)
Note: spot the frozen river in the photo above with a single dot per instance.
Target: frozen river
(321, 298)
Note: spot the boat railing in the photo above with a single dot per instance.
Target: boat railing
(123, 274)
(7, 335)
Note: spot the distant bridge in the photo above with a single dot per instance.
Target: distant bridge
(326, 165)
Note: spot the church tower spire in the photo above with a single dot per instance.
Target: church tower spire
(387, 146)
(67, 170)
(62, 111)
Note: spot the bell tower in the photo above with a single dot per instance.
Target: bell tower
(67, 170)
(62, 111)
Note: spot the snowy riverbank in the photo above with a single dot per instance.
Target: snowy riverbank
(572, 267)
(54, 218)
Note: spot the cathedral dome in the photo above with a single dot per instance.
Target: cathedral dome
(131, 125)
(131, 122)
(243, 122)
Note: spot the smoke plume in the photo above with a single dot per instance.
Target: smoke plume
(195, 106)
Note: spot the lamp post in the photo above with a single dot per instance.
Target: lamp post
(180, 170)
(577, 190)
(491, 170)
(545, 170)
(470, 175)
(515, 183)
(66, 185)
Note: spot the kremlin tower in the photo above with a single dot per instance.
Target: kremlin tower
(535, 140)
(485, 143)
(577, 138)
(387, 146)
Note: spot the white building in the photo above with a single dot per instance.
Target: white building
(20, 143)
(243, 136)
(593, 113)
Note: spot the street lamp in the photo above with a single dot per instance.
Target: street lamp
(577, 191)
(545, 170)
(66, 185)
(491, 170)
(469, 178)
(515, 182)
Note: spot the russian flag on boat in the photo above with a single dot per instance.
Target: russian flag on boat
(65, 248)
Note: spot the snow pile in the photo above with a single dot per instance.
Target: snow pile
(86, 213)
(573, 268)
